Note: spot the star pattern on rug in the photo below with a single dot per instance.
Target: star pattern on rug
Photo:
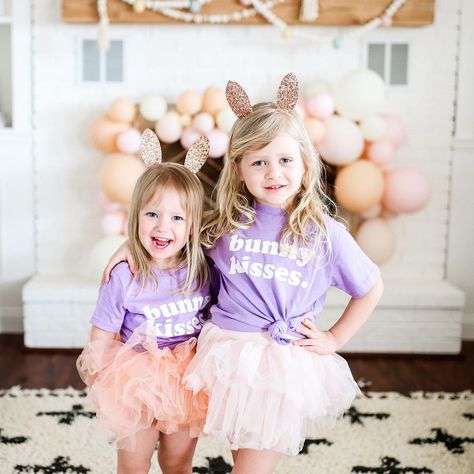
(318, 441)
(11, 440)
(67, 417)
(215, 466)
(454, 444)
(391, 466)
(357, 416)
(59, 465)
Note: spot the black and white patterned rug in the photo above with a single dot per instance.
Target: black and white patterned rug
(43, 431)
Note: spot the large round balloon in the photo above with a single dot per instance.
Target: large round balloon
(104, 133)
(359, 186)
(153, 107)
(406, 190)
(112, 223)
(213, 100)
(360, 94)
(119, 175)
(380, 152)
(168, 128)
(188, 137)
(225, 119)
(122, 110)
(320, 105)
(377, 239)
(316, 130)
(373, 127)
(218, 141)
(203, 123)
(394, 129)
(189, 102)
(100, 254)
(128, 141)
(342, 142)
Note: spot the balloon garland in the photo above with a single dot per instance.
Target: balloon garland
(355, 139)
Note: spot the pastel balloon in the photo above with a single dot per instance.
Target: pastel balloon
(103, 133)
(359, 94)
(100, 254)
(188, 137)
(371, 213)
(225, 119)
(394, 129)
(203, 123)
(107, 205)
(380, 152)
(168, 128)
(320, 105)
(377, 239)
(300, 110)
(112, 223)
(359, 186)
(128, 141)
(373, 127)
(317, 87)
(122, 110)
(213, 100)
(342, 142)
(316, 130)
(406, 190)
(185, 120)
(218, 141)
(153, 107)
(189, 102)
(119, 175)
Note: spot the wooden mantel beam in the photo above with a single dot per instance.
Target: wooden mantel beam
(331, 12)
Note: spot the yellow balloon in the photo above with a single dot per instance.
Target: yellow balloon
(359, 186)
(119, 175)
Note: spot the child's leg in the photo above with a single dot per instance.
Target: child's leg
(250, 461)
(138, 461)
(175, 452)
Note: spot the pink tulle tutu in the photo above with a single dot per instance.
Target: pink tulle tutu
(263, 395)
(136, 389)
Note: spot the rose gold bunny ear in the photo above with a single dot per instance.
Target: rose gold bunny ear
(197, 154)
(150, 148)
(288, 93)
(238, 99)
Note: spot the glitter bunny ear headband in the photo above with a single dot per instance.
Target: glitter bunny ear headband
(150, 151)
(286, 99)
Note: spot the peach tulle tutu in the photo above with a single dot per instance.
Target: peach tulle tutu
(135, 385)
(263, 395)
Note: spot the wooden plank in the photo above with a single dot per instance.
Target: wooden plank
(331, 13)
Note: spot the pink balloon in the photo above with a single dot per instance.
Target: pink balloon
(377, 239)
(112, 223)
(188, 137)
(394, 129)
(107, 205)
(316, 129)
(380, 152)
(203, 123)
(320, 105)
(128, 141)
(406, 190)
(218, 141)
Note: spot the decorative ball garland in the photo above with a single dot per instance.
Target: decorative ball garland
(355, 139)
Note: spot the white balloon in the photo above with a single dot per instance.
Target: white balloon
(317, 87)
(226, 119)
(359, 94)
(153, 107)
(101, 253)
(373, 128)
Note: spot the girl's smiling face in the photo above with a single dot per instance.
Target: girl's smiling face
(273, 174)
(163, 228)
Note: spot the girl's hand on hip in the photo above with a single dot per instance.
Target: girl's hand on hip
(320, 342)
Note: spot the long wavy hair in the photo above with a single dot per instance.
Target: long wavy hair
(162, 177)
(234, 203)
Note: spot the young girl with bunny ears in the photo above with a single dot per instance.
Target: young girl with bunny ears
(144, 326)
(272, 377)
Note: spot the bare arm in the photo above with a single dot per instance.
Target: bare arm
(356, 313)
(97, 334)
(122, 254)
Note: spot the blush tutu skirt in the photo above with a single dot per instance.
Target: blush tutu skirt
(135, 385)
(264, 395)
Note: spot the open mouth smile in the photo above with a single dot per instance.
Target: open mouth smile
(160, 242)
(275, 187)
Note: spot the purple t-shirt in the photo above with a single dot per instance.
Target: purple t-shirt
(171, 316)
(263, 287)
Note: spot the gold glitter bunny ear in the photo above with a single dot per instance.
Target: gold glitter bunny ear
(197, 154)
(238, 99)
(150, 148)
(288, 93)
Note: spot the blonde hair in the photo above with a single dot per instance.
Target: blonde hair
(187, 185)
(234, 208)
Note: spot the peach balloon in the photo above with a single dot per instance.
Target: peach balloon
(316, 129)
(189, 102)
(394, 129)
(359, 186)
(406, 190)
(103, 133)
(119, 175)
(122, 110)
(342, 141)
(168, 128)
(377, 239)
(203, 123)
(128, 141)
(214, 99)
(380, 152)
